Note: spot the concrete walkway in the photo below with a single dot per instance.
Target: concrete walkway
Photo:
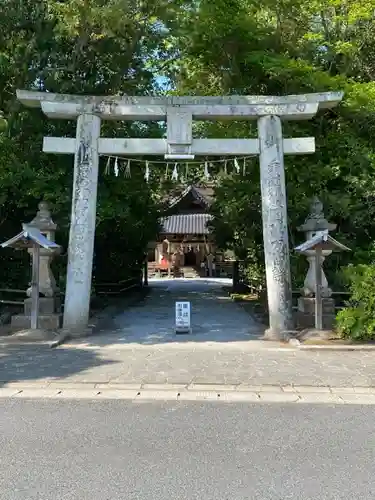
(234, 363)
(141, 348)
(214, 316)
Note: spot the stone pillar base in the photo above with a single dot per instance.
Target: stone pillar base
(307, 305)
(305, 315)
(277, 335)
(47, 305)
(70, 333)
(49, 314)
(45, 322)
(304, 320)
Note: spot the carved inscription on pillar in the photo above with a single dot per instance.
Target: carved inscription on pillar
(275, 226)
(83, 189)
(82, 228)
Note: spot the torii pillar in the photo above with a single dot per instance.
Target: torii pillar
(275, 227)
(82, 225)
(179, 112)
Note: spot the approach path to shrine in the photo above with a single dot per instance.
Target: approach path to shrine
(139, 354)
(214, 316)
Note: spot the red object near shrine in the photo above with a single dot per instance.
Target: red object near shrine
(164, 263)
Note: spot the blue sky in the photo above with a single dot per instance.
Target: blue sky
(163, 82)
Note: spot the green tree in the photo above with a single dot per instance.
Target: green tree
(276, 48)
(83, 47)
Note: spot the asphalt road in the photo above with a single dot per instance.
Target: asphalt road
(82, 450)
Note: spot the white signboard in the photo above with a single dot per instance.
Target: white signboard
(183, 317)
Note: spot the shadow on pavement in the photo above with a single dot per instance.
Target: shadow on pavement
(19, 363)
(214, 317)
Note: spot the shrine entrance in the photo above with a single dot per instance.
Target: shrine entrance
(179, 113)
(190, 258)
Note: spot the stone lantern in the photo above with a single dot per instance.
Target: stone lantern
(32, 239)
(314, 224)
(49, 302)
(43, 221)
(319, 243)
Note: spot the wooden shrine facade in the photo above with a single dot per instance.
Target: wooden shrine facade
(186, 239)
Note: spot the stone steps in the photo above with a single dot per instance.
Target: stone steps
(190, 272)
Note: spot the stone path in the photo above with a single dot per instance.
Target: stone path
(225, 350)
(222, 363)
(215, 318)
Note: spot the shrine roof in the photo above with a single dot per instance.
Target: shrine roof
(203, 194)
(186, 224)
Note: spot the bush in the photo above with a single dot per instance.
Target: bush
(357, 320)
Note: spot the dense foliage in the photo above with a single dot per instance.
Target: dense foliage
(88, 47)
(206, 47)
(283, 47)
(357, 320)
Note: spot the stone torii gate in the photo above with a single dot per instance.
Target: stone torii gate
(179, 112)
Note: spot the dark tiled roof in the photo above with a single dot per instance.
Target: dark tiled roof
(186, 224)
(202, 194)
(207, 192)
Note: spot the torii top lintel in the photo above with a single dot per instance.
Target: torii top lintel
(291, 107)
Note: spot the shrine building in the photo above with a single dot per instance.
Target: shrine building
(186, 242)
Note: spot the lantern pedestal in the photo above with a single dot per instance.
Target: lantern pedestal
(50, 316)
(45, 322)
(305, 316)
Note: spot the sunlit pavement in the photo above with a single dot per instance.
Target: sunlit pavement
(223, 349)
(214, 316)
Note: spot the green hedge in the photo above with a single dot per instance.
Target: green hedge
(357, 320)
